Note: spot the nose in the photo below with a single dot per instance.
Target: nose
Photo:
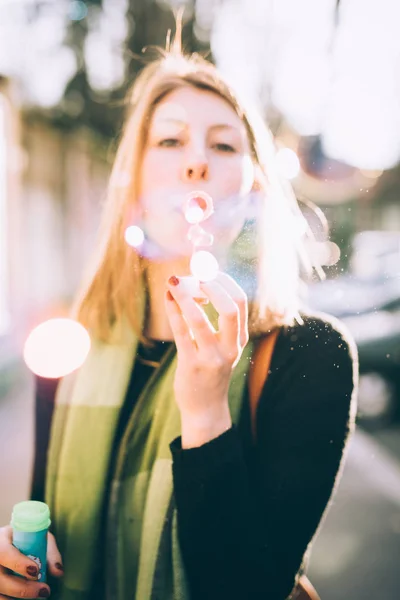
(196, 170)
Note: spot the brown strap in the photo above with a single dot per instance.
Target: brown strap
(304, 590)
(261, 360)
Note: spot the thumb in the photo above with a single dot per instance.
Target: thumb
(54, 560)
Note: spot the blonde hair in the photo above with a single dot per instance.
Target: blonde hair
(114, 285)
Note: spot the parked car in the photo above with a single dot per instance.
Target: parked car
(367, 300)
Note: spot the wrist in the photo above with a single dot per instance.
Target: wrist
(204, 427)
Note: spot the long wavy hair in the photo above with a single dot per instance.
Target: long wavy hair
(114, 283)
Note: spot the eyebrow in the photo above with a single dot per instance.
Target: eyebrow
(180, 122)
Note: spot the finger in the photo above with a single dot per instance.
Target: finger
(54, 559)
(228, 316)
(17, 587)
(196, 319)
(240, 297)
(182, 336)
(13, 559)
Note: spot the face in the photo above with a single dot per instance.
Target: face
(196, 142)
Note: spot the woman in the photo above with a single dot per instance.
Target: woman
(164, 385)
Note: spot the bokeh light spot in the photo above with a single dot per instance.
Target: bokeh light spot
(288, 163)
(324, 253)
(77, 10)
(56, 348)
(134, 236)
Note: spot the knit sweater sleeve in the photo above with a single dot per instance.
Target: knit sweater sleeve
(244, 528)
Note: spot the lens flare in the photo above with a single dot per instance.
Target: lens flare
(56, 348)
(134, 236)
(204, 266)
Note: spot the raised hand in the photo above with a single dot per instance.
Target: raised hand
(206, 357)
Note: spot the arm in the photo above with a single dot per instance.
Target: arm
(243, 528)
(45, 391)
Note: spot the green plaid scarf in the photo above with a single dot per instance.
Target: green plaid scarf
(143, 556)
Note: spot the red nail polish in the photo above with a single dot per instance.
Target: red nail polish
(59, 566)
(32, 571)
(173, 280)
(44, 593)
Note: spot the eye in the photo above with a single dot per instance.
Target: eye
(224, 147)
(169, 143)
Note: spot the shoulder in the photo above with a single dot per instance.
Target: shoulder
(320, 336)
(317, 356)
(314, 371)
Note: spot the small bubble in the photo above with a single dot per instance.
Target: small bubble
(387, 355)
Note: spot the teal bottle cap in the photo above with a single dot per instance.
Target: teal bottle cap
(31, 516)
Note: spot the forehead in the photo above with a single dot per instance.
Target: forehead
(192, 105)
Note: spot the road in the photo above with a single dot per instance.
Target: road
(357, 550)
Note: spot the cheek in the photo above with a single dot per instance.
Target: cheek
(237, 175)
(158, 170)
(248, 174)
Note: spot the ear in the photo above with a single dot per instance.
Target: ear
(257, 178)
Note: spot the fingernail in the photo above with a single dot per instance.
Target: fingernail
(59, 567)
(32, 571)
(169, 295)
(173, 280)
(201, 300)
(44, 593)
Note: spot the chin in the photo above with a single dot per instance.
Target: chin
(175, 251)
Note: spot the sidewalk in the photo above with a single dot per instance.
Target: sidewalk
(356, 556)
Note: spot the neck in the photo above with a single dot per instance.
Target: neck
(156, 276)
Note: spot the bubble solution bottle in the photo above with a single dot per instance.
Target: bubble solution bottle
(30, 521)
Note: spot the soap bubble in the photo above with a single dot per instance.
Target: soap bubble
(204, 266)
(198, 207)
(199, 237)
(56, 348)
(134, 236)
(194, 214)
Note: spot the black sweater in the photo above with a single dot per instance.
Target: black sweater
(247, 514)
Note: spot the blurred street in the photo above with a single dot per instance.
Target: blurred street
(317, 74)
(356, 553)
